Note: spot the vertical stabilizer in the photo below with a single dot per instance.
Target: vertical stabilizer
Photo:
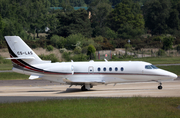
(19, 50)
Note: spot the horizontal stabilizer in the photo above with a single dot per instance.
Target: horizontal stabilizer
(34, 77)
(21, 58)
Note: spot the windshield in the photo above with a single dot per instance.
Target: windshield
(150, 67)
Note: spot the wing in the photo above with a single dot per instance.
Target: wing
(80, 82)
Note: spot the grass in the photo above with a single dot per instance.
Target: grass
(12, 76)
(6, 66)
(137, 107)
(174, 69)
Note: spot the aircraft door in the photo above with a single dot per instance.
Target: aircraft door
(91, 70)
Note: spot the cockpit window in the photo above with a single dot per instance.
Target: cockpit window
(150, 67)
(154, 67)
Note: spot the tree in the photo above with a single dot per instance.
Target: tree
(156, 14)
(126, 19)
(74, 23)
(91, 51)
(24, 16)
(173, 21)
(1, 28)
(100, 9)
(168, 42)
(88, 1)
(77, 3)
(66, 5)
(37, 15)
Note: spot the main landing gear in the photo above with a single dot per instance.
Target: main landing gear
(86, 87)
(83, 88)
(160, 87)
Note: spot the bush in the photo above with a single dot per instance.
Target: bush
(84, 49)
(77, 50)
(127, 46)
(62, 50)
(66, 56)
(51, 57)
(73, 40)
(168, 42)
(178, 48)
(158, 38)
(58, 41)
(49, 48)
(106, 45)
(98, 39)
(79, 57)
(90, 51)
(161, 53)
(54, 40)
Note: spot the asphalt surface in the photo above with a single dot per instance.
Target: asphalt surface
(40, 82)
(36, 90)
(31, 83)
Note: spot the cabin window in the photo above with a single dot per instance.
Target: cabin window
(122, 69)
(104, 69)
(116, 69)
(99, 69)
(110, 69)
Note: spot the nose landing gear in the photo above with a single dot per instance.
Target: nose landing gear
(160, 87)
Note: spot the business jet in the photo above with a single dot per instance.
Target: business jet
(86, 74)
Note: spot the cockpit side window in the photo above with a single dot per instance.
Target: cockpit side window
(154, 67)
(150, 67)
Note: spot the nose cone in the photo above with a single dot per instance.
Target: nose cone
(173, 76)
(169, 75)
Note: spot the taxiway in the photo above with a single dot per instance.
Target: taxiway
(28, 90)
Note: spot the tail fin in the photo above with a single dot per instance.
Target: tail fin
(19, 50)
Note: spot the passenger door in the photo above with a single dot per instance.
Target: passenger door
(91, 70)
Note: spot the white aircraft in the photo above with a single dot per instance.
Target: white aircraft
(86, 74)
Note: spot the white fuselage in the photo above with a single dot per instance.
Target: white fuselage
(98, 72)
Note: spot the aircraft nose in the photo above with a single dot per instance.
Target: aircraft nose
(170, 75)
(174, 76)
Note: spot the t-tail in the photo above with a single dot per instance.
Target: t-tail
(21, 55)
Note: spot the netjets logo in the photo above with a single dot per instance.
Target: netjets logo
(25, 53)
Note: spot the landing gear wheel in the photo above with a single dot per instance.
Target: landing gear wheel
(83, 88)
(159, 87)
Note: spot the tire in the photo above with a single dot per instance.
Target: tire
(83, 88)
(159, 87)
